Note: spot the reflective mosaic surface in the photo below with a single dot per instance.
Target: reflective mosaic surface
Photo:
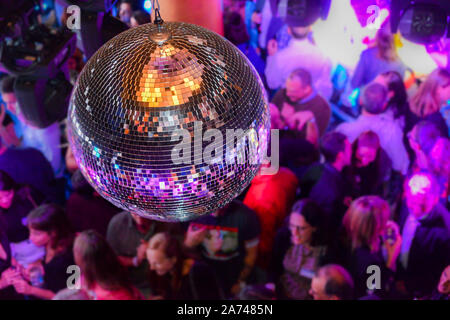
(140, 88)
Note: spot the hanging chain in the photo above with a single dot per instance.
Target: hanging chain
(156, 8)
(155, 5)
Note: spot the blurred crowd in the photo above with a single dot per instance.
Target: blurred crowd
(359, 208)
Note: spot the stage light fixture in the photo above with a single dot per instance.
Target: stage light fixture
(302, 13)
(36, 56)
(421, 21)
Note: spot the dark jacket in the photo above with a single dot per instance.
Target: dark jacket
(358, 263)
(372, 179)
(201, 283)
(429, 252)
(329, 192)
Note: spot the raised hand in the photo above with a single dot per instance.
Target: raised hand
(195, 235)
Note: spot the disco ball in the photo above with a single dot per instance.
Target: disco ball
(145, 85)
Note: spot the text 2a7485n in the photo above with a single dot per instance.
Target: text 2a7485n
(246, 309)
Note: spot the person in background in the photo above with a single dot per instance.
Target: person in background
(371, 167)
(46, 140)
(28, 166)
(422, 138)
(273, 27)
(300, 156)
(367, 223)
(102, 275)
(7, 292)
(426, 104)
(5, 257)
(15, 204)
(264, 18)
(126, 11)
(300, 53)
(379, 59)
(442, 291)
(128, 234)
(49, 228)
(8, 134)
(333, 188)
(271, 197)
(86, 209)
(252, 17)
(228, 241)
(373, 99)
(257, 292)
(332, 282)
(300, 107)
(9, 128)
(140, 17)
(71, 162)
(425, 229)
(173, 276)
(398, 105)
(439, 165)
(75, 64)
(236, 31)
(295, 263)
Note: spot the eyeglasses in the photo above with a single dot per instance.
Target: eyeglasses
(297, 228)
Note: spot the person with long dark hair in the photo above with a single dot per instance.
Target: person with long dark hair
(102, 274)
(296, 260)
(49, 228)
(398, 105)
(16, 202)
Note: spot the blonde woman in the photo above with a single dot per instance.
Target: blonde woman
(374, 241)
(378, 59)
(431, 96)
